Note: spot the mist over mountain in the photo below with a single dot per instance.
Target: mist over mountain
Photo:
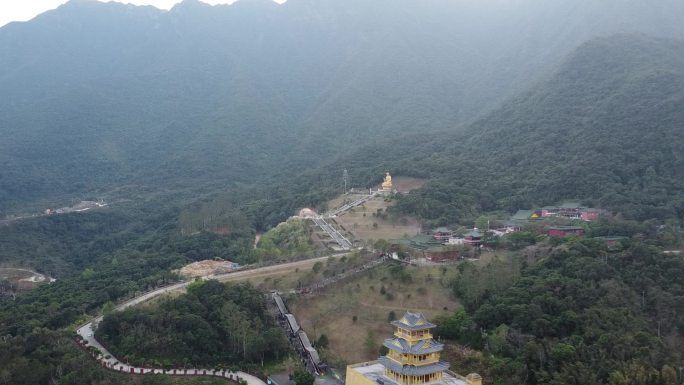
(207, 127)
(101, 96)
(606, 128)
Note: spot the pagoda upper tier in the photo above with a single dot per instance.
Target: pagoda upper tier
(413, 322)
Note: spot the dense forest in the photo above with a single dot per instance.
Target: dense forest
(213, 324)
(98, 258)
(606, 129)
(578, 313)
(52, 357)
(201, 99)
(198, 144)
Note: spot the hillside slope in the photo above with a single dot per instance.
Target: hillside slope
(106, 95)
(607, 128)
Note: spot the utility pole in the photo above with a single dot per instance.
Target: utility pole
(345, 177)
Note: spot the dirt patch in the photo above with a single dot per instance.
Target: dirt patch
(21, 279)
(206, 267)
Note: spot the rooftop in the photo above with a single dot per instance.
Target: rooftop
(413, 321)
(425, 347)
(566, 228)
(420, 241)
(475, 233)
(375, 372)
(413, 370)
(522, 215)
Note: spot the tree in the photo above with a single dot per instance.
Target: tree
(381, 244)
(370, 342)
(302, 377)
(322, 342)
(88, 273)
(107, 308)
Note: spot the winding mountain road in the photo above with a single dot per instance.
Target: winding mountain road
(108, 360)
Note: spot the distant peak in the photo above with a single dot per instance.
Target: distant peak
(78, 3)
(256, 3)
(189, 4)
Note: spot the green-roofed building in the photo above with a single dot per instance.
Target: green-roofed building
(425, 246)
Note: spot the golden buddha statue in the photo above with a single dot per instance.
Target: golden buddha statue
(387, 183)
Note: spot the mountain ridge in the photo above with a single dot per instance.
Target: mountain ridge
(606, 128)
(150, 98)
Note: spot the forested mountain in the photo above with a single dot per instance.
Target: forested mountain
(500, 104)
(606, 128)
(580, 315)
(193, 329)
(103, 96)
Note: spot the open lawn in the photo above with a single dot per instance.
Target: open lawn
(284, 276)
(332, 312)
(370, 221)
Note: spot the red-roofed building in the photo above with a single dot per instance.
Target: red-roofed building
(565, 231)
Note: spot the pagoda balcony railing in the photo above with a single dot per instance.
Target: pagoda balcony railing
(410, 359)
(457, 376)
(412, 337)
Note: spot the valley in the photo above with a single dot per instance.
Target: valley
(497, 187)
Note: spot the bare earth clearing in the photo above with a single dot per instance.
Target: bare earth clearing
(24, 279)
(206, 267)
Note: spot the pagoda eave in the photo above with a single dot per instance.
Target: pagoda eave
(412, 370)
(406, 326)
(403, 347)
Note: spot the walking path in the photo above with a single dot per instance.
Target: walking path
(348, 206)
(320, 221)
(333, 233)
(108, 360)
(330, 280)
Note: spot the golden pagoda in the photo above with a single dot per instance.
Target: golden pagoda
(387, 183)
(413, 359)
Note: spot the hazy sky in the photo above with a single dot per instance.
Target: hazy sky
(22, 10)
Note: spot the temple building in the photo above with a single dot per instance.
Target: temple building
(473, 238)
(442, 234)
(413, 359)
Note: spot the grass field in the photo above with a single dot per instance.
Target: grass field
(369, 221)
(280, 277)
(333, 311)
